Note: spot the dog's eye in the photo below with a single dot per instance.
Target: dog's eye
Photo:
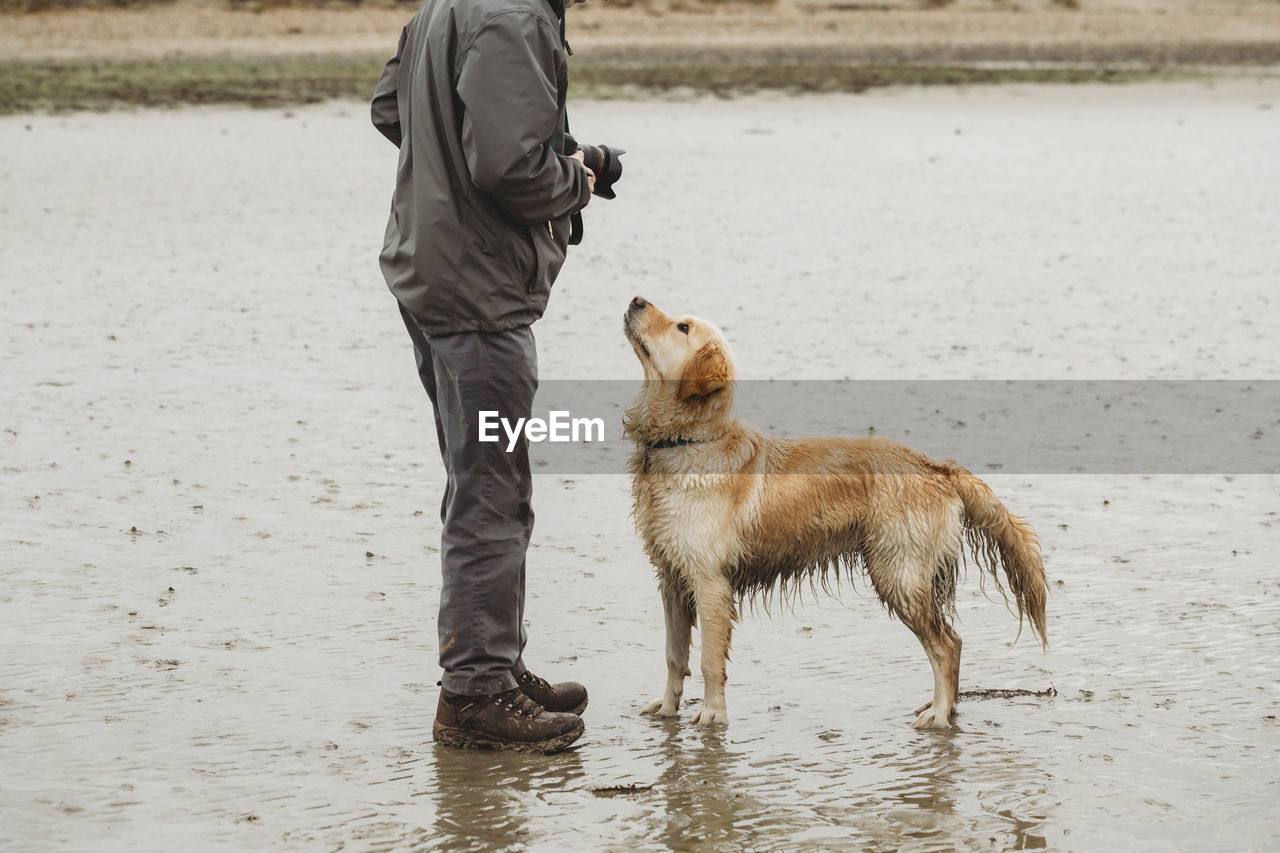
(684, 327)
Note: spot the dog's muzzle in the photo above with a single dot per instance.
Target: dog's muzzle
(636, 307)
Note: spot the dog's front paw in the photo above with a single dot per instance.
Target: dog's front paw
(661, 708)
(709, 716)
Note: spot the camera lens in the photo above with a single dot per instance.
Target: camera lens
(606, 163)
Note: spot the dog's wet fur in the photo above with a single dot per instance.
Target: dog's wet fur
(729, 514)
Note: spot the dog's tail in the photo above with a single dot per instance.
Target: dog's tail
(1000, 538)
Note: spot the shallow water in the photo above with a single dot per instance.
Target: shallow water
(218, 492)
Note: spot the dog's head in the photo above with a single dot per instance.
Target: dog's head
(688, 371)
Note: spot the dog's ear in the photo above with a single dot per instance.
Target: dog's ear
(707, 372)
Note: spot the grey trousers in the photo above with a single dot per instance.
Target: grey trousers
(486, 513)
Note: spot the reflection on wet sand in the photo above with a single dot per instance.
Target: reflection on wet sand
(938, 773)
(924, 792)
(923, 804)
(485, 799)
(920, 793)
(702, 799)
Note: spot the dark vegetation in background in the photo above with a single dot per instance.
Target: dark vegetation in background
(20, 6)
(683, 67)
(280, 81)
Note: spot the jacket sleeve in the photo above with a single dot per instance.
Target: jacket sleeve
(385, 110)
(507, 85)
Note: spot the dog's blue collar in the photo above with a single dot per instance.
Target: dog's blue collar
(671, 442)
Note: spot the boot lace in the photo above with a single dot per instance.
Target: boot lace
(515, 702)
(538, 683)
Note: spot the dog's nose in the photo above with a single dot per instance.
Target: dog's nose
(638, 302)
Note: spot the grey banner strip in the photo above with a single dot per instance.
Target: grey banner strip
(1015, 427)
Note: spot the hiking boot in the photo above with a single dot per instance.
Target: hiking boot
(567, 696)
(509, 720)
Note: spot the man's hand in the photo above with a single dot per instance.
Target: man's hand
(591, 176)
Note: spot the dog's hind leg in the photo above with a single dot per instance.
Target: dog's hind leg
(933, 666)
(678, 608)
(944, 660)
(909, 593)
(955, 664)
(953, 668)
(715, 605)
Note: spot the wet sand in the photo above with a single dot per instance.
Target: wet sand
(219, 485)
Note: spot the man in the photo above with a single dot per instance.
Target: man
(486, 183)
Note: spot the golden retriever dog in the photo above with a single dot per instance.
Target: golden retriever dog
(727, 513)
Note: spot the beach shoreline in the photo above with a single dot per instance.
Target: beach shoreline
(200, 54)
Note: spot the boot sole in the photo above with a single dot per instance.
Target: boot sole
(463, 739)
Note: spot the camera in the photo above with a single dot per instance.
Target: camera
(605, 162)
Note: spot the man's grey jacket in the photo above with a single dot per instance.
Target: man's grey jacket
(475, 99)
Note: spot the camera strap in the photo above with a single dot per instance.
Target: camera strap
(564, 41)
